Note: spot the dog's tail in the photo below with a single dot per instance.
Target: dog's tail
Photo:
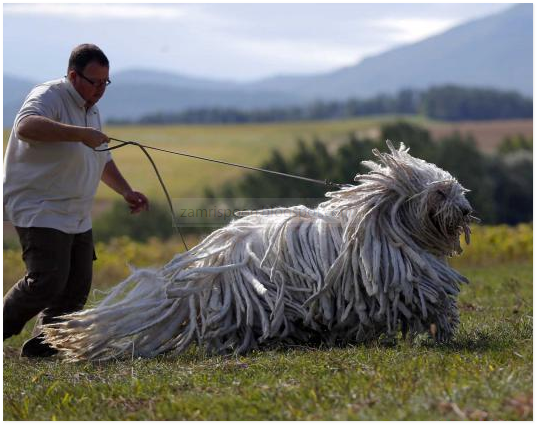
(200, 296)
(136, 318)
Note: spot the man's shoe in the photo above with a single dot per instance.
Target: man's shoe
(37, 347)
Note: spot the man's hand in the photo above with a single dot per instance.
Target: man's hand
(93, 138)
(137, 201)
(113, 178)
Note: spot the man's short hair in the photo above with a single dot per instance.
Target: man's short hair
(83, 54)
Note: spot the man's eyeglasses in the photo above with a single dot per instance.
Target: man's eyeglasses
(96, 84)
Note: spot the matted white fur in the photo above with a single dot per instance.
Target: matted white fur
(369, 260)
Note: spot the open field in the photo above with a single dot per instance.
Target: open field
(488, 134)
(244, 144)
(486, 372)
(250, 144)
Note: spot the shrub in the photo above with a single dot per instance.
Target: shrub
(118, 221)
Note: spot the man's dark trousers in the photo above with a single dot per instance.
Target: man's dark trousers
(57, 281)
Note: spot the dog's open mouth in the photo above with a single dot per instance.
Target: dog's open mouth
(467, 219)
(462, 229)
(452, 230)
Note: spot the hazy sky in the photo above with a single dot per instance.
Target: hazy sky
(220, 41)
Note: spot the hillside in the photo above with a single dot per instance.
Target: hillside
(495, 51)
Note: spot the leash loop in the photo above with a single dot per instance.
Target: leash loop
(170, 204)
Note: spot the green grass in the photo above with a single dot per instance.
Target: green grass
(486, 372)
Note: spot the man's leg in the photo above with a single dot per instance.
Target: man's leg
(78, 285)
(47, 255)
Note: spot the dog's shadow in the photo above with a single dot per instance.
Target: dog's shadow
(489, 339)
(479, 342)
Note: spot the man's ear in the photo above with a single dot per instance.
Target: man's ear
(71, 74)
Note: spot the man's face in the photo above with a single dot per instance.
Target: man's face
(92, 90)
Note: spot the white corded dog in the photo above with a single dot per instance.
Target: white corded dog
(369, 260)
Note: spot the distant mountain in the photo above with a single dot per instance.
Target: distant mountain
(136, 93)
(164, 78)
(495, 51)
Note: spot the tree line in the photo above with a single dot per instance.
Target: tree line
(449, 103)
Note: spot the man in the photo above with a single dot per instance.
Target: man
(51, 175)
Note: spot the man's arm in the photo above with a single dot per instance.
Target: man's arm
(112, 178)
(41, 129)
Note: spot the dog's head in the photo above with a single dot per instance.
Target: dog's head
(449, 213)
(425, 202)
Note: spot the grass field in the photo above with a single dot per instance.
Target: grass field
(486, 372)
(488, 134)
(250, 144)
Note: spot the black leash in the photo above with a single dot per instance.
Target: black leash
(263, 170)
(247, 167)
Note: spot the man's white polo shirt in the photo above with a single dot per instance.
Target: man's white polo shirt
(52, 184)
